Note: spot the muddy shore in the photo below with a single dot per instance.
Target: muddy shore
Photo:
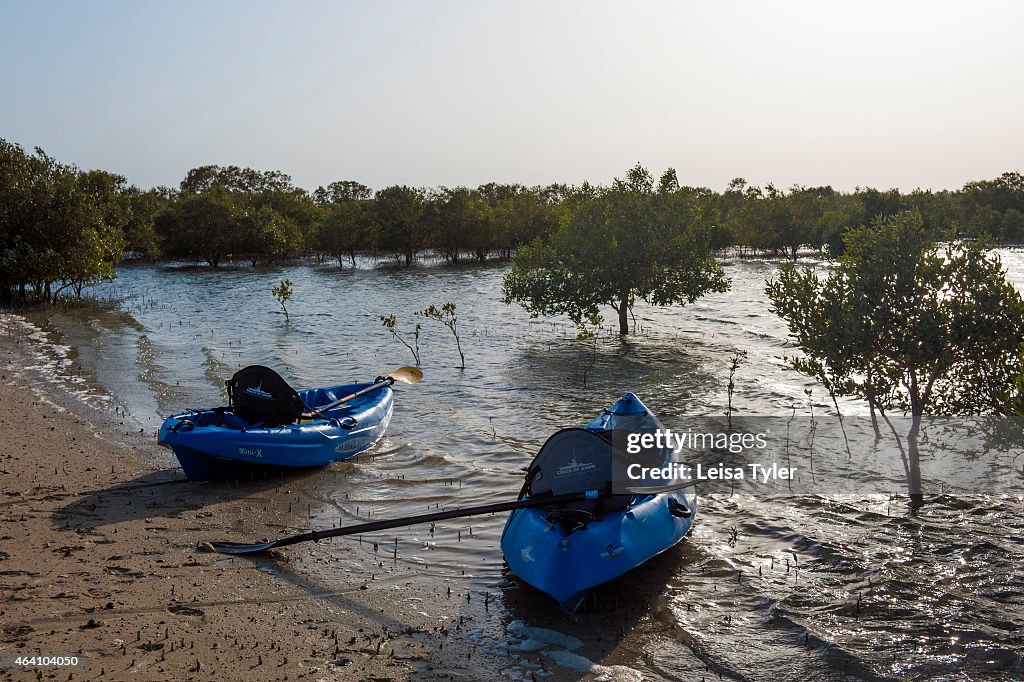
(102, 557)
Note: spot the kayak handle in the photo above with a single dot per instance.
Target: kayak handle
(680, 511)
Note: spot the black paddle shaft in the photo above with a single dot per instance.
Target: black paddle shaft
(373, 526)
(387, 524)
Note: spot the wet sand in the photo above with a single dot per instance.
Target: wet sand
(101, 557)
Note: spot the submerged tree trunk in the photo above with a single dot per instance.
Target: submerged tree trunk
(870, 397)
(624, 314)
(914, 460)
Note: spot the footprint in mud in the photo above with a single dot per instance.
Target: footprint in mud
(65, 595)
(121, 570)
(182, 610)
(17, 631)
(68, 550)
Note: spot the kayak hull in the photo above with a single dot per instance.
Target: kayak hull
(214, 443)
(566, 565)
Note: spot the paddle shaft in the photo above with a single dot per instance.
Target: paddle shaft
(409, 520)
(374, 526)
(320, 410)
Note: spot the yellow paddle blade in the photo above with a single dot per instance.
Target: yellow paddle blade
(407, 375)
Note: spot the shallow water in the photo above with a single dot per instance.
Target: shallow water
(787, 587)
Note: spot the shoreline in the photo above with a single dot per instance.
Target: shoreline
(101, 558)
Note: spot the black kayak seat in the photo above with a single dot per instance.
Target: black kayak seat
(259, 394)
(574, 461)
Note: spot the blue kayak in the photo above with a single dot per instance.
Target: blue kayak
(220, 442)
(566, 550)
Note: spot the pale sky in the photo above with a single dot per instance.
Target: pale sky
(887, 94)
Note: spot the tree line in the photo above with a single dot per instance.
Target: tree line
(62, 228)
(261, 216)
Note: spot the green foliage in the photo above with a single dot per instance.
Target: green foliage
(622, 243)
(60, 228)
(1016, 403)
(781, 223)
(341, 192)
(204, 226)
(235, 179)
(400, 219)
(140, 230)
(906, 322)
(461, 221)
(390, 323)
(266, 234)
(446, 316)
(345, 229)
(222, 213)
(282, 291)
(909, 319)
(994, 208)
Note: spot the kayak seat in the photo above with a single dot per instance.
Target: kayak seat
(575, 461)
(259, 394)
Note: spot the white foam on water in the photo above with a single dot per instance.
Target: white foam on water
(51, 360)
(602, 673)
(559, 647)
(541, 636)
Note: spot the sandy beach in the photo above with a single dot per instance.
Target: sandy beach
(102, 558)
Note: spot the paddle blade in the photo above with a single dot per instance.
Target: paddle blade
(241, 547)
(407, 375)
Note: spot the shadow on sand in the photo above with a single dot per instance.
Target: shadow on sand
(166, 492)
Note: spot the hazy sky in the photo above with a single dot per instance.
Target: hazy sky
(888, 94)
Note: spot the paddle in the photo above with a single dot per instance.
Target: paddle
(406, 375)
(226, 547)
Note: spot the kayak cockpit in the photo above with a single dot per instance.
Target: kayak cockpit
(570, 461)
(317, 398)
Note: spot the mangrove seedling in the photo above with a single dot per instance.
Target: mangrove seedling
(390, 323)
(586, 333)
(734, 364)
(282, 291)
(446, 316)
